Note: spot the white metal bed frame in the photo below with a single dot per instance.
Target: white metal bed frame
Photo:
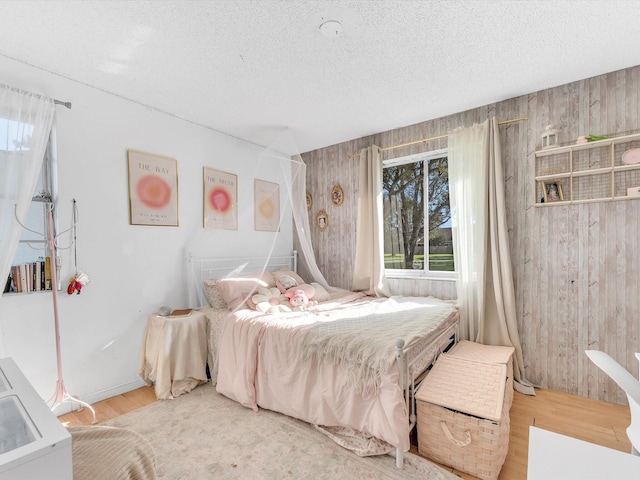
(200, 269)
(412, 361)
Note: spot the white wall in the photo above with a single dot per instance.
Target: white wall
(133, 269)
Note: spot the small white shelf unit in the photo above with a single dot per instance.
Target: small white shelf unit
(588, 172)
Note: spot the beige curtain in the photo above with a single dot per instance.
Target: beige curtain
(481, 242)
(368, 271)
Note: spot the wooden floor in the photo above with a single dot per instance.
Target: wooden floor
(590, 420)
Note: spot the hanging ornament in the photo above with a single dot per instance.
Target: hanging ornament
(80, 279)
(77, 282)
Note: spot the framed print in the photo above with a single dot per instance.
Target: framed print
(309, 201)
(220, 199)
(322, 220)
(266, 206)
(337, 196)
(552, 191)
(153, 189)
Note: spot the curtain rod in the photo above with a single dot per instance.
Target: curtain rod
(56, 102)
(60, 102)
(423, 140)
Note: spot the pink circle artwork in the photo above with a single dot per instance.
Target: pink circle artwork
(153, 191)
(220, 200)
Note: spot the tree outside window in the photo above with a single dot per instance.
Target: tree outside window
(406, 185)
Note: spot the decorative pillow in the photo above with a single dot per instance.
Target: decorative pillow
(236, 289)
(214, 295)
(285, 282)
(321, 294)
(270, 300)
(283, 271)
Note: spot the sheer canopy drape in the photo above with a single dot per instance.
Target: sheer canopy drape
(25, 124)
(368, 273)
(301, 221)
(481, 244)
(283, 153)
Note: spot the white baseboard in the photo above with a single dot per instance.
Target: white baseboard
(94, 397)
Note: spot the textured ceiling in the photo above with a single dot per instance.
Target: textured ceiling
(253, 68)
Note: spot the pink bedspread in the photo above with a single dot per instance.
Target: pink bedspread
(260, 364)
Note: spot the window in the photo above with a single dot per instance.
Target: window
(32, 248)
(33, 241)
(407, 182)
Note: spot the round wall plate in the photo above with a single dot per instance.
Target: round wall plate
(631, 156)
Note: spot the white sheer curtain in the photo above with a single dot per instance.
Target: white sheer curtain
(481, 244)
(283, 153)
(368, 272)
(301, 220)
(25, 124)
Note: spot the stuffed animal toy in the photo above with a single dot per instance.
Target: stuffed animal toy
(270, 300)
(289, 287)
(77, 282)
(297, 299)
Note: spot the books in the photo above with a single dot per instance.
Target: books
(47, 273)
(24, 270)
(30, 277)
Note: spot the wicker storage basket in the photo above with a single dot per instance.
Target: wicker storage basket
(488, 354)
(463, 420)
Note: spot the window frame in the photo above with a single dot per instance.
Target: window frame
(425, 273)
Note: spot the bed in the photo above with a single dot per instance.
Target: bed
(348, 365)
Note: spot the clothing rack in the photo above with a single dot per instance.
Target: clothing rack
(60, 395)
(424, 140)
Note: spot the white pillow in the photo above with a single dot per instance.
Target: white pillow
(236, 289)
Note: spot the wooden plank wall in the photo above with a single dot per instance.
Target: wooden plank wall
(576, 268)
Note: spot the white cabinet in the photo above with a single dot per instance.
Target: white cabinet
(33, 442)
(588, 172)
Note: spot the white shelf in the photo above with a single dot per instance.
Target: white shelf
(589, 145)
(588, 172)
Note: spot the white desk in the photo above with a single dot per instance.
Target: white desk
(174, 353)
(557, 457)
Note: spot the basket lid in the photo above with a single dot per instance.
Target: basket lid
(482, 353)
(467, 386)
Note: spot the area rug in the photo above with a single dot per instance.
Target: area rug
(203, 435)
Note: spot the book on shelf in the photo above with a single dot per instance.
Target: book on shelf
(29, 277)
(36, 277)
(47, 273)
(15, 277)
(23, 277)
